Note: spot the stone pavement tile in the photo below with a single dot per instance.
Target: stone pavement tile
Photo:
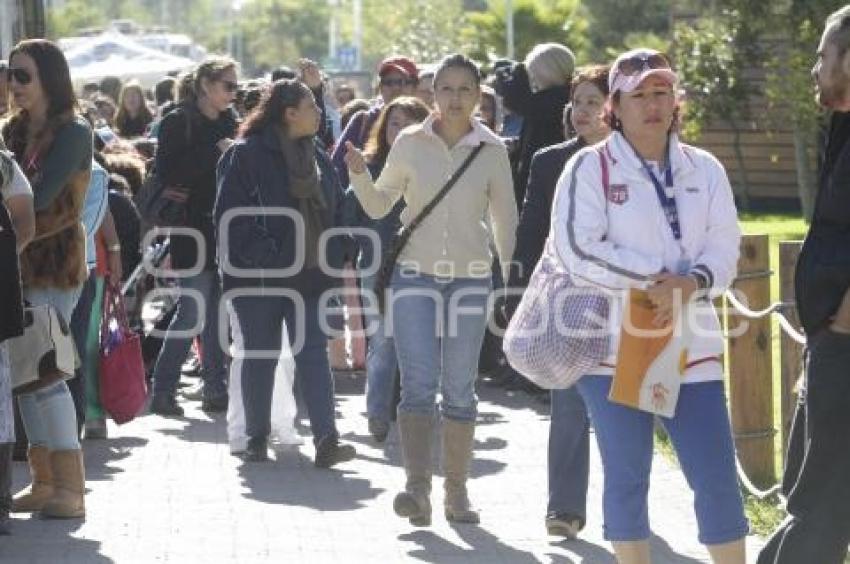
(168, 490)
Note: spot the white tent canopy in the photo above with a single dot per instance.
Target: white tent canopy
(113, 54)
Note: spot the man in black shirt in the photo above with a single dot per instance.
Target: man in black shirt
(817, 472)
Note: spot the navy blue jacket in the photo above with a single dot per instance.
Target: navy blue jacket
(546, 167)
(253, 173)
(823, 269)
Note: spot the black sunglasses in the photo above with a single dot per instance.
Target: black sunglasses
(635, 65)
(21, 76)
(230, 86)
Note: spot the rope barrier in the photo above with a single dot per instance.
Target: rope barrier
(776, 308)
(761, 495)
(791, 331)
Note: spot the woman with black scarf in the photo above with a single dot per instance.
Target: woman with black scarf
(274, 258)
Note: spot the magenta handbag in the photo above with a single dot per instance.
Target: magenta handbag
(122, 372)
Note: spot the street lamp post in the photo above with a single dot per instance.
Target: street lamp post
(509, 24)
(332, 28)
(358, 34)
(235, 30)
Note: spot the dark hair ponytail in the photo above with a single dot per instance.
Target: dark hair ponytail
(283, 94)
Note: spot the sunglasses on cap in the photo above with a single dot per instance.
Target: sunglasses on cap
(635, 65)
(21, 76)
(396, 82)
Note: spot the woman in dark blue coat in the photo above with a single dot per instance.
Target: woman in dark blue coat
(276, 267)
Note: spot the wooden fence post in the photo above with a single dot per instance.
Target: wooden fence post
(791, 351)
(750, 373)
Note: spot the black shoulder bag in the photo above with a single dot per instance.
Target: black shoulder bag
(11, 301)
(401, 238)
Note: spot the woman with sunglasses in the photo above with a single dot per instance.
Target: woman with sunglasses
(644, 210)
(437, 306)
(277, 163)
(191, 139)
(53, 145)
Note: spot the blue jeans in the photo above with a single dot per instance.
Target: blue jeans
(381, 366)
(261, 321)
(702, 437)
(79, 330)
(175, 347)
(48, 414)
(438, 340)
(568, 454)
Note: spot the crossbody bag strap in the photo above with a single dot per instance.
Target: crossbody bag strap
(426, 211)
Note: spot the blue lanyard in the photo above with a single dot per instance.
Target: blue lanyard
(668, 203)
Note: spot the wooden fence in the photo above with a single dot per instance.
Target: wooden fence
(750, 357)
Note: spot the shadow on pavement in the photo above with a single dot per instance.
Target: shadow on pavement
(99, 454)
(588, 552)
(662, 552)
(483, 546)
(49, 541)
(293, 480)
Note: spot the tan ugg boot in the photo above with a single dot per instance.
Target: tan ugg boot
(69, 486)
(457, 456)
(41, 489)
(415, 430)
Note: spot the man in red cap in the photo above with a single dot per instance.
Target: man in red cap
(397, 76)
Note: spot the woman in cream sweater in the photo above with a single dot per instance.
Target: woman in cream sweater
(437, 304)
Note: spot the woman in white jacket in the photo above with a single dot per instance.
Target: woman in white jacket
(643, 210)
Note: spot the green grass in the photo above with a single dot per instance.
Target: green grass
(764, 516)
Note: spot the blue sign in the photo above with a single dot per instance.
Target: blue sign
(346, 56)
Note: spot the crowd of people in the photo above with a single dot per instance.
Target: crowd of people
(440, 192)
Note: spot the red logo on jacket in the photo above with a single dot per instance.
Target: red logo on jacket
(618, 194)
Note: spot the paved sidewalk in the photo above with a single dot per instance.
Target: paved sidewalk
(168, 490)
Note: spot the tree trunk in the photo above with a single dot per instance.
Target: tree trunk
(743, 191)
(805, 178)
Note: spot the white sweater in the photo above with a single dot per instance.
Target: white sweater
(615, 242)
(454, 238)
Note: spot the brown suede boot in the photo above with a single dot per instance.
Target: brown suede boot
(457, 456)
(41, 489)
(415, 431)
(69, 486)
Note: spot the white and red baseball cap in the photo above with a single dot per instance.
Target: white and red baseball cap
(633, 67)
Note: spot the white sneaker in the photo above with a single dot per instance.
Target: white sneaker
(566, 526)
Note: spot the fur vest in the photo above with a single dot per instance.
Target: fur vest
(56, 257)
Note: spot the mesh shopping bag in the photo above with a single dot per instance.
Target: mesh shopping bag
(559, 331)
